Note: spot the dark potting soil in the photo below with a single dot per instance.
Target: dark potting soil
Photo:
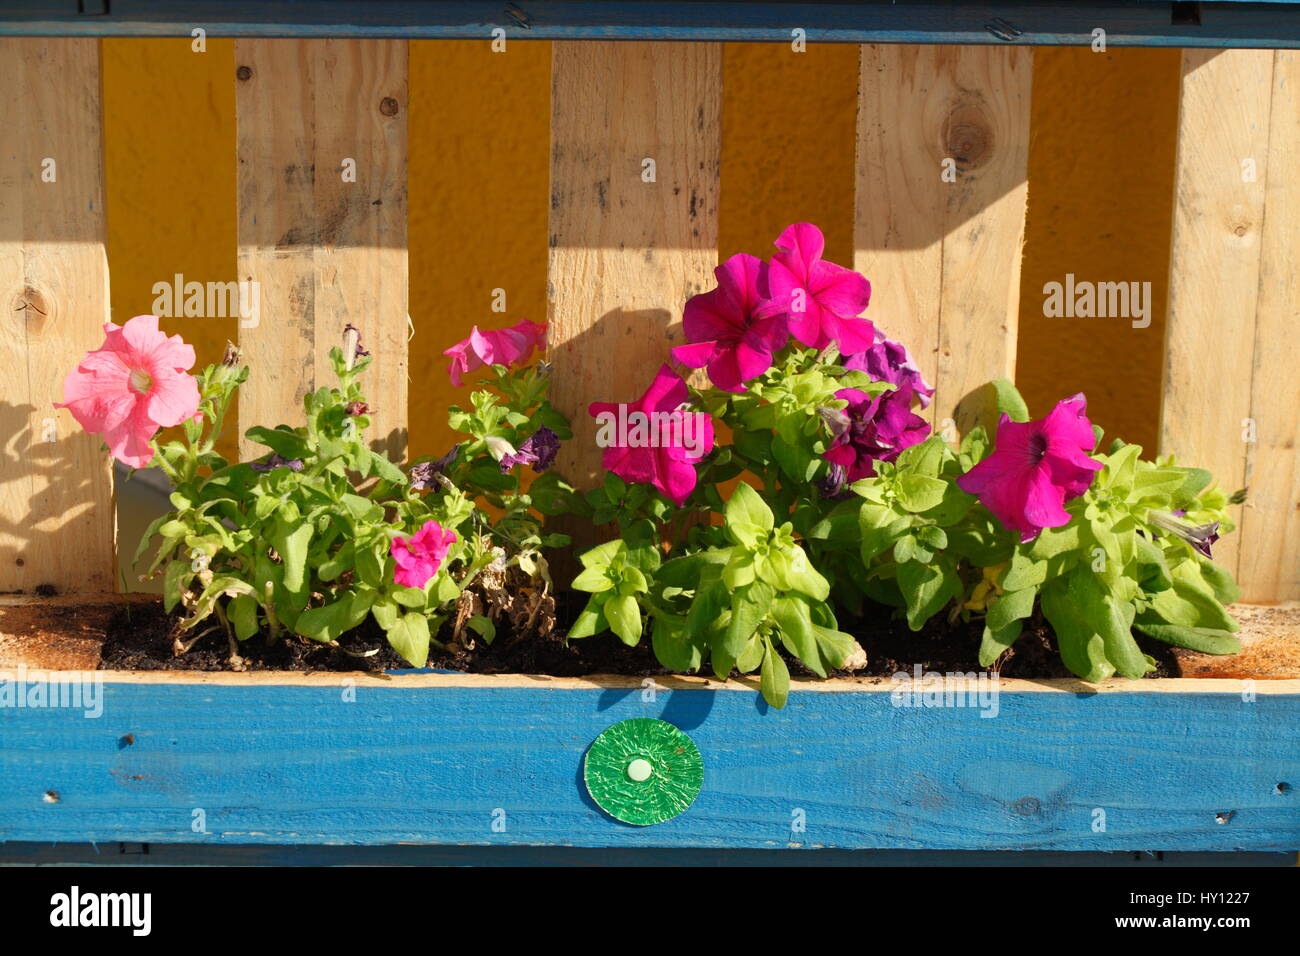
(143, 636)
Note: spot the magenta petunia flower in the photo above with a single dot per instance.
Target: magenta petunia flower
(821, 300)
(878, 429)
(495, 347)
(655, 440)
(134, 384)
(889, 361)
(420, 556)
(732, 329)
(1036, 467)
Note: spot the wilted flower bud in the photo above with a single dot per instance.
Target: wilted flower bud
(352, 347)
(356, 408)
(1200, 537)
(276, 461)
(499, 447)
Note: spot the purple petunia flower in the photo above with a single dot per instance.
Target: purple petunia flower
(889, 361)
(879, 429)
(538, 450)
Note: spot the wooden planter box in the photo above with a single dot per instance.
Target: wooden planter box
(1187, 764)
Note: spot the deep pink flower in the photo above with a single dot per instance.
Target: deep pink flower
(822, 300)
(654, 440)
(419, 557)
(495, 347)
(134, 384)
(1036, 467)
(878, 429)
(889, 361)
(732, 329)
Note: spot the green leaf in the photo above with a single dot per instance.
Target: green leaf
(242, 612)
(748, 517)
(804, 578)
(792, 616)
(926, 589)
(918, 493)
(332, 621)
(286, 443)
(410, 637)
(175, 579)
(1011, 606)
(1008, 400)
(624, 617)
(993, 644)
(483, 627)
(672, 646)
(588, 622)
(881, 527)
(1082, 649)
(1191, 602)
(290, 542)
(749, 607)
(775, 680)
(593, 580)
(1204, 639)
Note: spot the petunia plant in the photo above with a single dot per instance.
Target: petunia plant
(774, 482)
(844, 501)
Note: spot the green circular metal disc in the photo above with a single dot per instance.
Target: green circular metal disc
(615, 771)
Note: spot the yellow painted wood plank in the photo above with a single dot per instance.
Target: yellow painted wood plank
(326, 248)
(56, 495)
(627, 250)
(943, 254)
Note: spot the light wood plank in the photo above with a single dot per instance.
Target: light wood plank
(625, 253)
(326, 252)
(56, 494)
(1229, 324)
(1270, 523)
(944, 257)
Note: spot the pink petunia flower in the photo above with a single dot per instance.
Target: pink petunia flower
(889, 361)
(822, 300)
(1035, 468)
(134, 384)
(732, 329)
(495, 347)
(877, 429)
(419, 557)
(654, 440)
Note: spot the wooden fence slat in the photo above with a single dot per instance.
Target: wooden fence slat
(1230, 354)
(626, 253)
(1270, 558)
(56, 489)
(325, 251)
(944, 257)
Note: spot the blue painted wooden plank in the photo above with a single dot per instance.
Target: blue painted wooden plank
(440, 764)
(1037, 22)
(163, 854)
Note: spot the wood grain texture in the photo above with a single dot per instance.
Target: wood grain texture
(56, 492)
(403, 764)
(1230, 354)
(1269, 568)
(944, 257)
(326, 252)
(626, 253)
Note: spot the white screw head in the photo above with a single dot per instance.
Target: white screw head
(639, 770)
